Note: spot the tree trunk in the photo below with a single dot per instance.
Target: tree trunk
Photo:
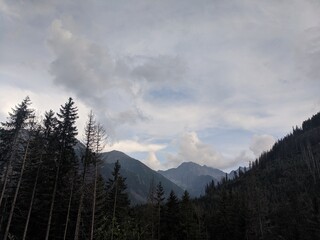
(94, 201)
(53, 200)
(114, 209)
(5, 182)
(76, 234)
(32, 200)
(159, 219)
(2, 215)
(69, 208)
(16, 192)
(8, 168)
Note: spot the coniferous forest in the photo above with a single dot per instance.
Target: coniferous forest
(51, 188)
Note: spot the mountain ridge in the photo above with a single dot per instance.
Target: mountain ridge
(139, 177)
(189, 176)
(193, 177)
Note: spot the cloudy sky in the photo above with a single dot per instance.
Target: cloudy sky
(213, 82)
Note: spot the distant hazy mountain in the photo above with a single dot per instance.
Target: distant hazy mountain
(139, 176)
(236, 172)
(193, 177)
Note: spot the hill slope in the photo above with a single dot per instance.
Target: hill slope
(278, 198)
(139, 176)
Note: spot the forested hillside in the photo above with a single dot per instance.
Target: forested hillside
(139, 177)
(278, 198)
(50, 191)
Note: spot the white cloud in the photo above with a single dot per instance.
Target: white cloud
(192, 149)
(245, 65)
(261, 143)
(152, 161)
(131, 146)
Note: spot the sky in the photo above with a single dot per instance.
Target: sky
(211, 81)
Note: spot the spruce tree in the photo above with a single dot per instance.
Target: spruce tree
(159, 205)
(15, 139)
(99, 143)
(11, 139)
(187, 218)
(172, 226)
(87, 159)
(65, 165)
(117, 201)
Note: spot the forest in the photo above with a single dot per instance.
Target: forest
(51, 188)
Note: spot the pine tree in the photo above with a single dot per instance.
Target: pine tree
(15, 139)
(48, 152)
(117, 201)
(32, 173)
(187, 218)
(173, 228)
(101, 213)
(99, 142)
(11, 137)
(87, 159)
(159, 205)
(65, 164)
(151, 208)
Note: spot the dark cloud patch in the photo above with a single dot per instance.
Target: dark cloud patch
(167, 95)
(161, 69)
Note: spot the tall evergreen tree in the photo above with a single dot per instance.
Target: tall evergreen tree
(11, 139)
(14, 140)
(99, 143)
(47, 154)
(87, 159)
(172, 220)
(65, 165)
(117, 202)
(101, 213)
(159, 205)
(187, 218)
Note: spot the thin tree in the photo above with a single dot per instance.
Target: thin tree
(13, 204)
(87, 159)
(48, 123)
(69, 207)
(151, 203)
(66, 137)
(10, 135)
(118, 201)
(100, 138)
(159, 202)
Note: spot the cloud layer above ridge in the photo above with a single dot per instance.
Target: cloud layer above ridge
(176, 74)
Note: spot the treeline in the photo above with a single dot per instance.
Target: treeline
(277, 198)
(51, 188)
(50, 183)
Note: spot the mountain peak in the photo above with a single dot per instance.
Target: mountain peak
(139, 176)
(193, 177)
(188, 164)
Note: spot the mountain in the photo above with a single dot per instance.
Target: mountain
(139, 177)
(193, 177)
(234, 173)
